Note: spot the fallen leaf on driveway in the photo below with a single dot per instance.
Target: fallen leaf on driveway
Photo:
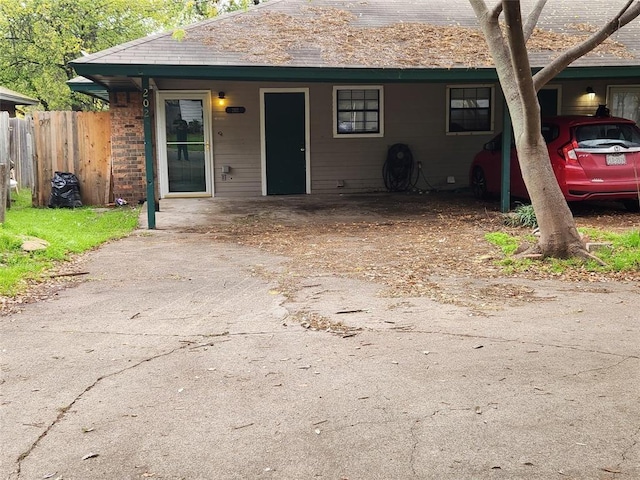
(611, 470)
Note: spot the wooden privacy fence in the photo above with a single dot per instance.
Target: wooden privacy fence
(21, 150)
(75, 142)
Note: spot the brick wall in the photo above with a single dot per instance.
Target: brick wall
(127, 146)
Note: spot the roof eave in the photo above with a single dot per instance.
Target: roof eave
(18, 100)
(282, 73)
(91, 89)
(329, 74)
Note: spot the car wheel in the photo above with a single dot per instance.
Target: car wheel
(632, 205)
(479, 184)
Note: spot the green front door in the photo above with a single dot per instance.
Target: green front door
(548, 99)
(285, 148)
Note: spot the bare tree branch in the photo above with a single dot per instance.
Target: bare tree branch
(624, 16)
(628, 14)
(496, 11)
(533, 18)
(520, 61)
(488, 21)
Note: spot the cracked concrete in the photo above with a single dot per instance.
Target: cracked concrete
(64, 410)
(178, 358)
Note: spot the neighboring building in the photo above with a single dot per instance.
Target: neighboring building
(294, 97)
(9, 100)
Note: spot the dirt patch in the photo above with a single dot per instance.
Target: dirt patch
(415, 246)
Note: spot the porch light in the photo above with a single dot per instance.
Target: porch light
(591, 93)
(221, 99)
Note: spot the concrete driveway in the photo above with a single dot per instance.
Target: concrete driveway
(181, 358)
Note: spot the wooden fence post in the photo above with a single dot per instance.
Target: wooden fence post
(4, 171)
(20, 142)
(5, 192)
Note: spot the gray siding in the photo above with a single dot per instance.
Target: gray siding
(415, 114)
(236, 141)
(576, 101)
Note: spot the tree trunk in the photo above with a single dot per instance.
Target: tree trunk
(559, 237)
(558, 234)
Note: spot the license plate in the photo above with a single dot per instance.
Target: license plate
(616, 159)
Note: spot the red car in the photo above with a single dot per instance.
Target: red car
(593, 158)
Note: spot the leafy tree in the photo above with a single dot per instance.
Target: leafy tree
(508, 47)
(191, 11)
(39, 37)
(185, 12)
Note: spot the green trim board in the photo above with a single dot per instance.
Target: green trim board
(306, 74)
(148, 154)
(92, 89)
(507, 138)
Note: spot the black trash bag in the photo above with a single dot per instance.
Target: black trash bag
(65, 191)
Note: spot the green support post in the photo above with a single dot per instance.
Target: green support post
(507, 135)
(148, 154)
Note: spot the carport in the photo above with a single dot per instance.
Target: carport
(232, 83)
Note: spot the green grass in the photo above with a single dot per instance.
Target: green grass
(68, 231)
(623, 256)
(507, 243)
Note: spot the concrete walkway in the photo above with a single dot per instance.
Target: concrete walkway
(179, 358)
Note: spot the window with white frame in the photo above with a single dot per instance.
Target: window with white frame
(358, 111)
(470, 109)
(624, 101)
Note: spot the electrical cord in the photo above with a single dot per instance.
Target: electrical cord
(421, 173)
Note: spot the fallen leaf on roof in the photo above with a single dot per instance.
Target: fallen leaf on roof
(330, 34)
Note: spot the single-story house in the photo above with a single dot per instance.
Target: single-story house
(9, 100)
(305, 97)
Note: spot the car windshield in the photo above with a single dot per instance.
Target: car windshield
(607, 134)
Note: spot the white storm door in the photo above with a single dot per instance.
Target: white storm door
(184, 143)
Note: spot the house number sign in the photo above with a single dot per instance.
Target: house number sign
(235, 110)
(146, 103)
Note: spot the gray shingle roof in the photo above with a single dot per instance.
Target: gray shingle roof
(372, 33)
(15, 98)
